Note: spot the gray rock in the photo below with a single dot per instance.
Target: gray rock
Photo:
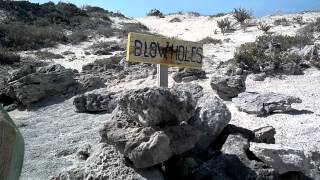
(228, 87)
(195, 90)
(19, 73)
(258, 77)
(212, 117)
(236, 145)
(49, 81)
(84, 152)
(90, 82)
(51, 68)
(281, 158)
(107, 163)
(96, 103)
(150, 125)
(264, 104)
(265, 135)
(187, 75)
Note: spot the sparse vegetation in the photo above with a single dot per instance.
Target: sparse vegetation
(224, 25)
(7, 57)
(298, 19)
(269, 49)
(17, 36)
(193, 13)
(241, 15)
(77, 37)
(218, 15)
(210, 40)
(106, 32)
(173, 20)
(311, 28)
(264, 27)
(48, 55)
(132, 27)
(155, 12)
(282, 22)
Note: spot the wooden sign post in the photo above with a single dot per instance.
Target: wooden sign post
(164, 52)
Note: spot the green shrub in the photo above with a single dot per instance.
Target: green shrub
(105, 31)
(7, 57)
(264, 27)
(155, 12)
(311, 28)
(193, 13)
(269, 49)
(282, 22)
(298, 19)
(17, 36)
(218, 15)
(48, 55)
(173, 20)
(241, 15)
(210, 40)
(224, 25)
(77, 37)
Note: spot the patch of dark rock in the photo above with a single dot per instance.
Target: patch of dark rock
(187, 75)
(95, 103)
(228, 87)
(264, 104)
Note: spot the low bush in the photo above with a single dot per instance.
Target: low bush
(311, 28)
(224, 25)
(175, 20)
(269, 49)
(106, 31)
(210, 40)
(8, 57)
(282, 22)
(264, 27)
(155, 12)
(77, 37)
(193, 13)
(48, 55)
(132, 27)
(298, 19)
(218, 15)
(17, 36)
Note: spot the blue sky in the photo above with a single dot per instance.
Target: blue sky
(138, 8)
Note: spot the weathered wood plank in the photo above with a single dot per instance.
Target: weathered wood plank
(166, 51)
(162, 75)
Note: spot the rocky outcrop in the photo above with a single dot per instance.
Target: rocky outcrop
(107, 163)
(45, 82)
(195, 90)
(151, 125)
(93, 103)
(187, 75)
(283, 159)
(264, 104)
(265, 135)
(228, 87)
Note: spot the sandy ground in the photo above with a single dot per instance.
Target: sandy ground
(56, 129)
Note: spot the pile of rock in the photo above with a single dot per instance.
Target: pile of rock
(182, 133)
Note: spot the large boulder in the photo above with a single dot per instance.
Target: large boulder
(47, 81)
(228, 87)
(212, 116)
(264, 104)
(151, 125)
(93, 103)
(195, 89)
(283, 159)
(21, 72)
(187, 75)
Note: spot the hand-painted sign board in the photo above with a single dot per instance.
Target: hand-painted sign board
(165, 51)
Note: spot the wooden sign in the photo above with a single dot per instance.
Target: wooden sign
(165, 51)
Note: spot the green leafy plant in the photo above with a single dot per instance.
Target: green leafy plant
(224, 25)
(241, 15)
